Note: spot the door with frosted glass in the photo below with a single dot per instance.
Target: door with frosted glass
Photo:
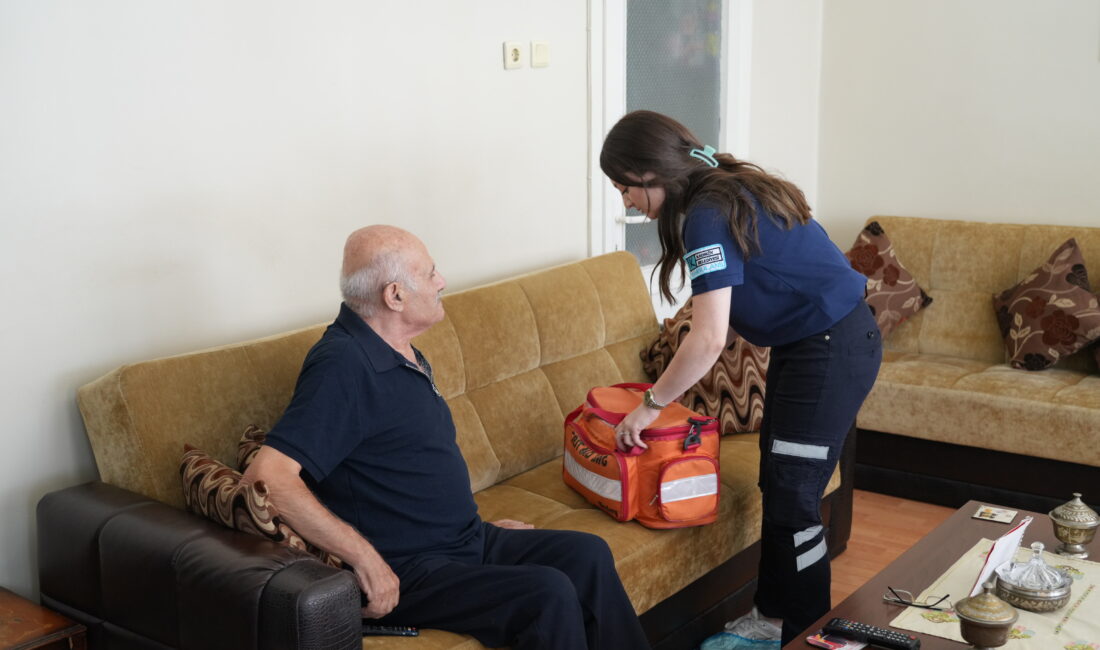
(673, 58)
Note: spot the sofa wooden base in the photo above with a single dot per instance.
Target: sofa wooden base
(950, 475)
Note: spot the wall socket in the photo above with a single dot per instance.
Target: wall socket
(513, 55)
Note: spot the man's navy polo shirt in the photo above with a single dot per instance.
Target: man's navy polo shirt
(797, 285)
(377, 442)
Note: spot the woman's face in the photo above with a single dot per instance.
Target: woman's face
(647, 200)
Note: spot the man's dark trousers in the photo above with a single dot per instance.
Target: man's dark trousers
(552, 589)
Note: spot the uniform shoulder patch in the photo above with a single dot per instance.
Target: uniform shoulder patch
(706, 259)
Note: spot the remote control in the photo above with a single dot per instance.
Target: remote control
(389, 630)
(877, 636)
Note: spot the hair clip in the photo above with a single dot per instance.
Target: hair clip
(706, 155)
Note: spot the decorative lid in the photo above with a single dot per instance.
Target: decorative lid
(986, 607)
(1075, 514)
(1034, 574)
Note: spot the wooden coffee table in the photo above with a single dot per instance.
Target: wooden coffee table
(25, 625)
(921, 565)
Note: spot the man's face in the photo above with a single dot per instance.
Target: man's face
(424, 306)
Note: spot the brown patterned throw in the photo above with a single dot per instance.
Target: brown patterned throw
(732, 391)
(892, 293)
(215, 491)
(1051, 314)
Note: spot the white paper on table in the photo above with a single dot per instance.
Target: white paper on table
(1004, 550)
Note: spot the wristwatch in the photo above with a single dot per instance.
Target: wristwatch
(648, 400)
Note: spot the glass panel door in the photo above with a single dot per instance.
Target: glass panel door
(673, 66)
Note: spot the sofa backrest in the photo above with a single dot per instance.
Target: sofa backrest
(961, 264)
(511, 358)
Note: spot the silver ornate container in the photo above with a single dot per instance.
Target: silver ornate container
(1074, 525)
(1033, 585)
(985, 619)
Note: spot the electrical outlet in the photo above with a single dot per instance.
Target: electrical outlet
(513, 55)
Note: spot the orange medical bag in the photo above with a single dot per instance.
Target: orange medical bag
(673, 484)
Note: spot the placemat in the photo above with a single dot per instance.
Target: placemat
(1074, 627)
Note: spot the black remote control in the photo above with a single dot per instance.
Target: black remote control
(876, 636)
(389, 630)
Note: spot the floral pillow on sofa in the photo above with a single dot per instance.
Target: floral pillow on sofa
(1051, 314)
(732, 391)
(214, 490)
(892, 293)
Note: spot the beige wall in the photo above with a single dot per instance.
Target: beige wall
(986, 110)
(182, 174)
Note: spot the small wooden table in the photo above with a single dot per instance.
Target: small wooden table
(25, 625)
(920, 566)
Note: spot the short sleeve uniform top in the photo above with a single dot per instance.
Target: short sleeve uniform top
(376, 443)
(798, 283)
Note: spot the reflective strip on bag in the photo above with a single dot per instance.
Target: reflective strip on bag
(689, 488)
(607, 488)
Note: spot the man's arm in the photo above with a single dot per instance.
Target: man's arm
(305, 514)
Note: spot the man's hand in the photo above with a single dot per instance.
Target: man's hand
(511, 523)
(379, 583)
(301, 509)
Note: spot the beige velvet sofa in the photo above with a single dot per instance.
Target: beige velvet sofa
(948, 420)
(512, 358)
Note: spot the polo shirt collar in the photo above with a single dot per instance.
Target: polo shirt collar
(382, 357)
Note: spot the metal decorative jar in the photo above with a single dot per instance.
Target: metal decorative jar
(1074, 525)
(985, 619)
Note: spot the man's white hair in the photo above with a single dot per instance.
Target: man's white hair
(362, 289)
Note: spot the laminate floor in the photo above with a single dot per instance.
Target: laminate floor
(883, 527)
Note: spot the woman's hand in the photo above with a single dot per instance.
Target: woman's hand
(629, 432)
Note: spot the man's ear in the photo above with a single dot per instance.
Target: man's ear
(393, 297)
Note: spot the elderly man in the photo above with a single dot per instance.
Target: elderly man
(364, 464)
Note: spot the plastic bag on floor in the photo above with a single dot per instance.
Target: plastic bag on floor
(731, 641)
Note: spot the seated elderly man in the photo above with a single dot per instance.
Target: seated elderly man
(364, 464)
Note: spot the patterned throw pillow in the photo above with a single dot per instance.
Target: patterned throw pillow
(892, 293)
(732, 391)
(215, 491)
(250, 443)
(1051, 313)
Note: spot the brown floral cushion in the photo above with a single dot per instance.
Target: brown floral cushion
(732, 391)
(215, 491)
(1051, 313)
(892, 293)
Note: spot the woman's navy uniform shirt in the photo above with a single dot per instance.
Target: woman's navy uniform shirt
(378, 443)
(798, 284)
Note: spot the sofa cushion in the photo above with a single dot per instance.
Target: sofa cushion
(892, 293)
(1050, 314)
(731, 391)
(214, 490)
(1053, 414)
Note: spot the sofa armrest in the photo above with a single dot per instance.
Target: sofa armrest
(141, 573)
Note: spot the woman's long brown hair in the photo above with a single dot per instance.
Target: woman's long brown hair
(644, 142)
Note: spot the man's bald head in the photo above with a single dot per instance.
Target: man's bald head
(374, 257)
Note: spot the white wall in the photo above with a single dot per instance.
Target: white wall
(985, 110)
(784, 91)
(182, 174)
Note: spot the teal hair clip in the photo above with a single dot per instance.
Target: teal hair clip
(706, 155)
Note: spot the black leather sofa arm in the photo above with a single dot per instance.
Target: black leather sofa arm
(141, 574)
